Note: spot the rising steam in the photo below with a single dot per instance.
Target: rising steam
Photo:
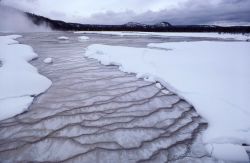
(13, 20)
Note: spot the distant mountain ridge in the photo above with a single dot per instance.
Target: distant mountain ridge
(134, 26)
(163, 24)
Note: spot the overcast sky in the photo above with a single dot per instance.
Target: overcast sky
(222, 12)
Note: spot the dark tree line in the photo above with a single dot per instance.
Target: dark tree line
(166, 27)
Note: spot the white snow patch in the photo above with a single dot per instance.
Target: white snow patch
(20, 81)
(12, 106)
(7, 40)
(165, 91)
(48, 60)
(158, 85)
(228, 152)
(63, 38)
(213, 76)
(83, 38)
(171, 34)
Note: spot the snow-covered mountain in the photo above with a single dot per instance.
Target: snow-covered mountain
(163, 24)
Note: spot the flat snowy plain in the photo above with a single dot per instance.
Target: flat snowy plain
(213, 76)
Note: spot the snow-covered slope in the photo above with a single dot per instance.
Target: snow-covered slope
(213, 76)
(19, 80)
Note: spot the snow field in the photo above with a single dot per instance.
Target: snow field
(212, 76)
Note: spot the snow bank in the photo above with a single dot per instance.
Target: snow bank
(62, 38)
(19, 80)
(83, 38)
(213, 76)
(171, 34)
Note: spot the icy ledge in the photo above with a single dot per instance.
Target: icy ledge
(213, 76)
(19, 80)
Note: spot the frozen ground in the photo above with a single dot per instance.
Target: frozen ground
(96, 113)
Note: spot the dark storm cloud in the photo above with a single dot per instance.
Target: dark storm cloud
(144, 11)
(191, 12)
(204, 13)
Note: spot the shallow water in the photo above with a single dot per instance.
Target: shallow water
(96, 113)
